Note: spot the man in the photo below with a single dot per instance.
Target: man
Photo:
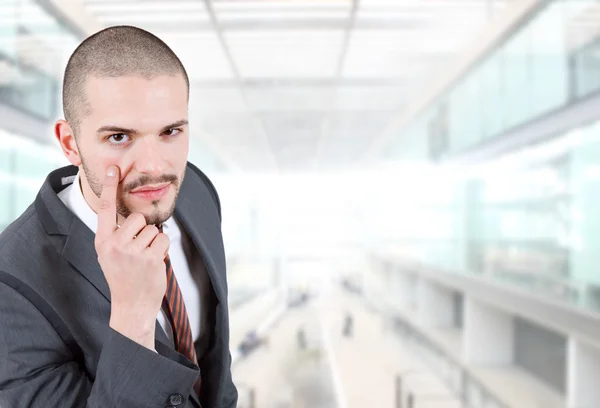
(112, 283)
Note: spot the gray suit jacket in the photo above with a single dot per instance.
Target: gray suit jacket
(56, 348)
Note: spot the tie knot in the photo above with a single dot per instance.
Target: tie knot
(160, 227)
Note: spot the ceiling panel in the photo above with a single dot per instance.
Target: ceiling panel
(289, 98)
(285, 53)
(370, 98)
(398, 53)
(142, 8)
(282, 15)
(286, 130)
(201, 54)
(210, 100)
(149, 15)
(237, 138)
(272, 6)
(230, 128)
(346, 136)
(293, 138)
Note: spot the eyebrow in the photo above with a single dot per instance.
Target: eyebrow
(118, 129)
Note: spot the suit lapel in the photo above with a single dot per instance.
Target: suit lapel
(80, 251)
(57, 219)
(204, 229)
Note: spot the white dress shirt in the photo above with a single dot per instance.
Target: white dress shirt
(180, 260)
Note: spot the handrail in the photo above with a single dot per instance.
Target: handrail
(414, 334)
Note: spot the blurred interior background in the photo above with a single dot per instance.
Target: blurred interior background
(410, 188)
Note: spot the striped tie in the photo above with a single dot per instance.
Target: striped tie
(174, 307)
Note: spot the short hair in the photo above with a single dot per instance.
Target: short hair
(114, 52)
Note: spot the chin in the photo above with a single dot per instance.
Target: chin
(154, 214)
(156, 211)
(154, 218)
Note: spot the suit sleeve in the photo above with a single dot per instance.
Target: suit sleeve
(230, 396)
(38, 370)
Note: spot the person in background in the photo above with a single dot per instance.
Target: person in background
(113, 289)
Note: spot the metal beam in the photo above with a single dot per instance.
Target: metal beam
(350, 24)
(346, 41)
(301, 82)
(72, 15)
(334, 24)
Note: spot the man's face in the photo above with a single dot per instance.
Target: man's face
(140, 125)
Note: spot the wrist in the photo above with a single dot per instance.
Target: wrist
(138, 328)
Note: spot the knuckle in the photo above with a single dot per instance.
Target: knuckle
(138, 218)
(165, 240)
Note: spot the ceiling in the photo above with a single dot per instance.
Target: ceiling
(285, 86)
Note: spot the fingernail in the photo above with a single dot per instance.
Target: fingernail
(111, 172)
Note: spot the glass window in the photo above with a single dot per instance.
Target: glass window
(457, 107)
(516, 79)
(492, 99)
(8, 30)
(549, 63)
(586, 69)
(464, 113)
(473, 112)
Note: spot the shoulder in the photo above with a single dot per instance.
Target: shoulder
(25, 247)
(194, 171)
(20, 234)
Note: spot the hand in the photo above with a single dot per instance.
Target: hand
(132, 259)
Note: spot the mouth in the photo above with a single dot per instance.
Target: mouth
(151, 192)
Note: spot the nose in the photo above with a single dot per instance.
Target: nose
(149, 157)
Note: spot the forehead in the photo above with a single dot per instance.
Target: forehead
(136, 99)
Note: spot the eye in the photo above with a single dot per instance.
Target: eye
(118, 138)
(171, 132)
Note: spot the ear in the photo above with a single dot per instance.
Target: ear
(66, 138)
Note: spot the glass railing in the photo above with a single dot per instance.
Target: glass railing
(549, 62)
(34, 46)
(529, 219)
(24, 165)
(27, 88)
(458, 379)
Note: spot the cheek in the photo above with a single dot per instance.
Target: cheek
(182, 151)
(104, 158)
(174, 156)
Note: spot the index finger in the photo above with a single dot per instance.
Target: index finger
(107, 212)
